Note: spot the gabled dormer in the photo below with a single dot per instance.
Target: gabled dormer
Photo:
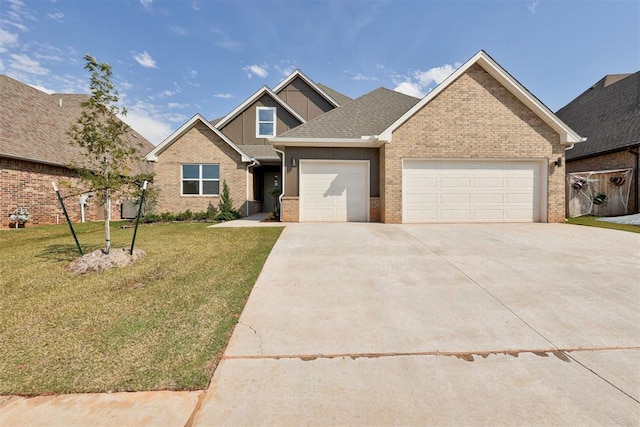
(263, 115)
(305, 96)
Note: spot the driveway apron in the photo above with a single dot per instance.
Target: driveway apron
(373, 324)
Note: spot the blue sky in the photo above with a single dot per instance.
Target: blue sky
(172, 59)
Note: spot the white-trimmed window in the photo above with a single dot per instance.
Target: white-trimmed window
(265, 122)
(201, 179)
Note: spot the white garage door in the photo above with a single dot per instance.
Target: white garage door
(334, 190)
(472, 191)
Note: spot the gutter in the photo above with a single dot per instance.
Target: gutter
(284, 164)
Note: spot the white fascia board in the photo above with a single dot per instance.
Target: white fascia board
(307, 80)
(364, 142)
(253, 98)
(567, 135)
(153, 154)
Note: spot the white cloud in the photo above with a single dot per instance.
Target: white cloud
(362, 77)
(1, 65)
(257, 70)
(151, 122)
(225, 41)
(533, 6)
(24, 63)
(177, 105)
(43, 89)
(146, 3)
(145, 60)
(58, 16)
(418, 84)
(7, 40)
(179, 30)
(409, 88)
(223, 95)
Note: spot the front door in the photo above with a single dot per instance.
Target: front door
(272, 181)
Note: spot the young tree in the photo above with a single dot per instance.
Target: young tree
(102, 136)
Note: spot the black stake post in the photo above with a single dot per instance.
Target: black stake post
(66, 215)
(135, 231)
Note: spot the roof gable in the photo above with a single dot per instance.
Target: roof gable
(153, 155)
(297, 74)
(567, 135)
(251, 100)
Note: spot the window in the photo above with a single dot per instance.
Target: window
(265, 122)
(201, 179)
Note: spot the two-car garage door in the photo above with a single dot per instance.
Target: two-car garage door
(472, 191)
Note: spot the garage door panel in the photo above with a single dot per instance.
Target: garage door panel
(334, 190)
(459, 191)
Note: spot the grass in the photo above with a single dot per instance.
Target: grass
(591, 221)
(160, 324)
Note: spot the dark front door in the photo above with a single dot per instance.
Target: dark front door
(272, 180)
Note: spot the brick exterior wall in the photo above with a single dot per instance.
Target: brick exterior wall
(474, 118)
(290, 209)
(617, 160)
(374, 209)
(199, 145)
(28, 184)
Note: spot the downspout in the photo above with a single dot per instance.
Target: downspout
(253, 163)
(635, 179)
(284, 163)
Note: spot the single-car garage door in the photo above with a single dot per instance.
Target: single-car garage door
(472, 191)
(334, 190)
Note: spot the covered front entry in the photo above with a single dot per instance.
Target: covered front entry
(472, 191)
(334, 190)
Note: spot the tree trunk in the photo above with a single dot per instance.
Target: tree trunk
(107, 214)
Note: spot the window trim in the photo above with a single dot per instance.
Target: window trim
(258, 122)
(200, 179)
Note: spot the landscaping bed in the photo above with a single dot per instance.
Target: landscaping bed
(159, 324)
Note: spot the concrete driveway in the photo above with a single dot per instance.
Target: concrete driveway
(372, 324)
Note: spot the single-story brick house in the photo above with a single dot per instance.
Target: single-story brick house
(608, 114)
(35, 150)
(478, 148)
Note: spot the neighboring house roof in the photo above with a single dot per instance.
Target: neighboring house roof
(299, 74)
(608, 114)
(567, 135)
(153, 155)
(253, 98)
(361, 119)
(34, 125)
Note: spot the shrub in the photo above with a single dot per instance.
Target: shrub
(226, 212)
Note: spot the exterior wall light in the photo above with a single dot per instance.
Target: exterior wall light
(558, 162)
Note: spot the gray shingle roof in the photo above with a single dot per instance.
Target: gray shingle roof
(34, 125)
(367, 115)
(340, 98)
(260, 152)
(608, 114)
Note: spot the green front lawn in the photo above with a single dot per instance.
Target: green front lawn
(161, 323)
(591, 222)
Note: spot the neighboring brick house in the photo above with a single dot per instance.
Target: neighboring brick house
(608, 114)
(35, 150)
(478, 148)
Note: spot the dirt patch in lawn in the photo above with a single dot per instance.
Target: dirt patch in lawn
(99, 261)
